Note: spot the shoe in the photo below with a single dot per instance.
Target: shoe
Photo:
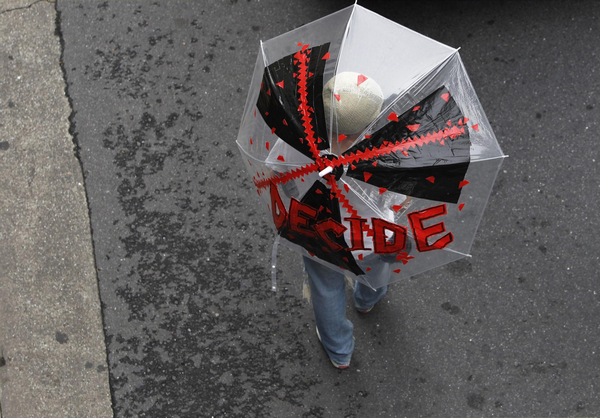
(366, 311)
(336, 365)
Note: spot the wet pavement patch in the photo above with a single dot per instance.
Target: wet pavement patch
(61, 338)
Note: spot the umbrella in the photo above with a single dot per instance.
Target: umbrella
(402, 183)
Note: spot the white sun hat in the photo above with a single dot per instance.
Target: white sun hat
(355, 100)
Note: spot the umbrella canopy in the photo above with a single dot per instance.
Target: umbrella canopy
(368, 146)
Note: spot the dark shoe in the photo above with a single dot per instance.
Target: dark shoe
(366, 311)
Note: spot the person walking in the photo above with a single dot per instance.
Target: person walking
(355, 100)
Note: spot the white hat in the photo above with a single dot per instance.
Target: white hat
(356, 100)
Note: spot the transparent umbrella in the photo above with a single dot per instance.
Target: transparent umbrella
(368, 146)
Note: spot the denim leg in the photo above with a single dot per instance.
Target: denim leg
(328, 295)
(364, 296)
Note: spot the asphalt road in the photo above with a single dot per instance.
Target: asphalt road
(182, 247)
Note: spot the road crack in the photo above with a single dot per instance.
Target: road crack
(29, 6)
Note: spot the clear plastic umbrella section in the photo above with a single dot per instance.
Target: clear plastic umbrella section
(368, 147)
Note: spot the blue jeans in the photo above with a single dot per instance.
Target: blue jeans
(328, 294)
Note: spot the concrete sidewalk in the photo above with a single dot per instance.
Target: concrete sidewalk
(53, 360)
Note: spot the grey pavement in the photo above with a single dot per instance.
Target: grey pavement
(182, 247)
(52, 351)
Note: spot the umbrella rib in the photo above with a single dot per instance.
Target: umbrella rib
(489, 158)
(335, 70)
(456, 252)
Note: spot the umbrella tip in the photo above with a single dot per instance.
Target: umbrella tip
(326, 171)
